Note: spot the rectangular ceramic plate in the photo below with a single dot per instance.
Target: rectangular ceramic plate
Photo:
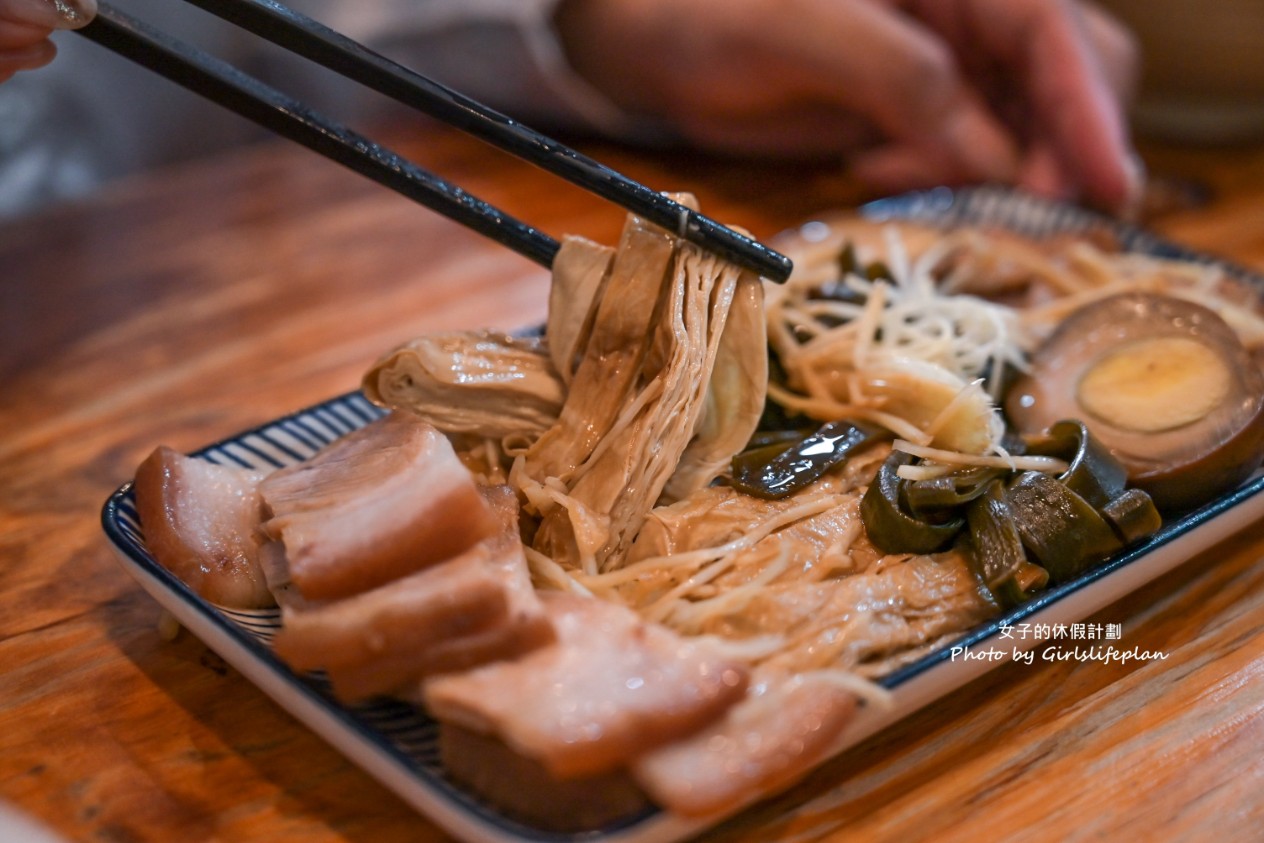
(396, 743)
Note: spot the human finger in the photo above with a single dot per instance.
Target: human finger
(26, 58)
(1116, 48)
(1069, 96)
(1090, 148)
(898, 167)
(25, 27)
(48, 14)
(1042, 172)
(794, 130)
(895, 167)
(886, 65)
(18, 36)
(711, 68)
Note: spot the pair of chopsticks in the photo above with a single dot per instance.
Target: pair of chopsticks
(226, 85)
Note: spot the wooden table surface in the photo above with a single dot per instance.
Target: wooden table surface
(182, 307)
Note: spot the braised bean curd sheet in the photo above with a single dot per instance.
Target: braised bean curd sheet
(658, 556)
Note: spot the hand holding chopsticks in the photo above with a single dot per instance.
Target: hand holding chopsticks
(250, 98)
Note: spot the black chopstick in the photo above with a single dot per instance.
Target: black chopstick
(218, 81)
(303, 36)
(312, 40)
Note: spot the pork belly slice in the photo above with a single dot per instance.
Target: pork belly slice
(525, 625)
(473, 608)
(375, 642)
(201, 523)
(380, 503)
(778, 733)
(609, 688)
(524, 789)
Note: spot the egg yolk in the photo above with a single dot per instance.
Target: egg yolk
(1153, 385)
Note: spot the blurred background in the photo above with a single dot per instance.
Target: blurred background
(1202, 83)
(1202, 76)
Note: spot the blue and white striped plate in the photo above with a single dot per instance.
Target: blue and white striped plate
(396, 743)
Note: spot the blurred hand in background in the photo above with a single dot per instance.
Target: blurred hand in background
(908, 93)
(914, 93)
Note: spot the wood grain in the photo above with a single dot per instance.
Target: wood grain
(184, 306)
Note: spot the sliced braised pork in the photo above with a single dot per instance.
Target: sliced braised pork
(377, 641)
(476, 607)
(525, 790)
(608, 689)
(201, 522)
(784, 727)
(380, 503)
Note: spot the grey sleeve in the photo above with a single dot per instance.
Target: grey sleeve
(504, 53)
